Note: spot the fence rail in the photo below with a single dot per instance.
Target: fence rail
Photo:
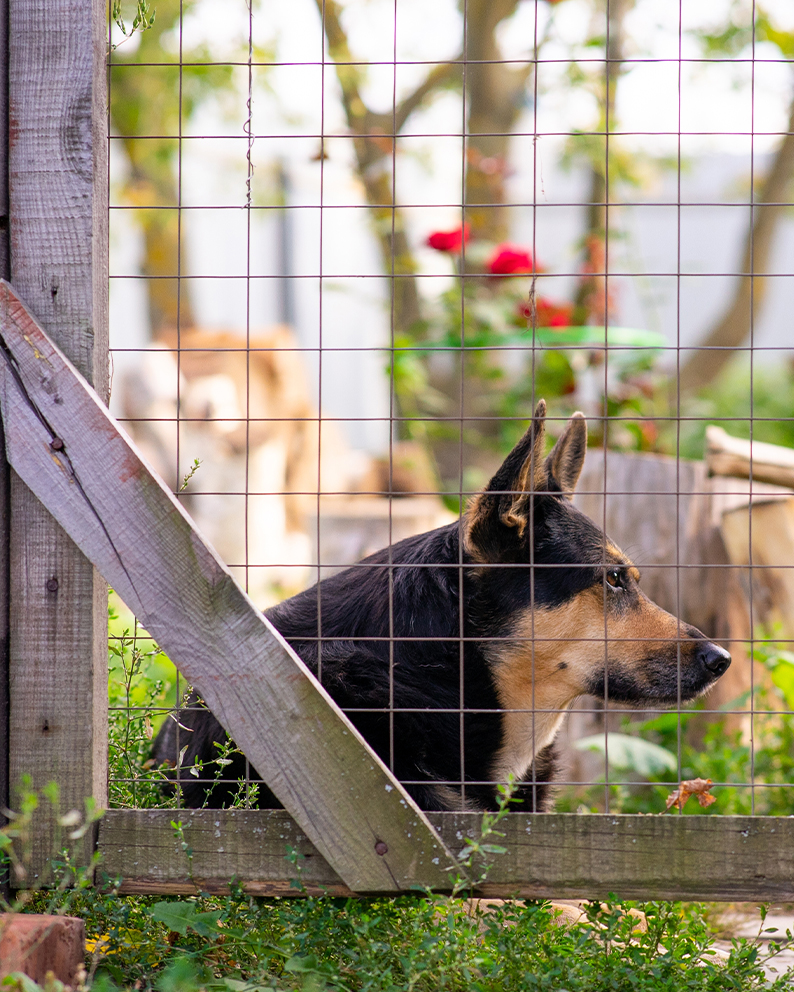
(547, 855)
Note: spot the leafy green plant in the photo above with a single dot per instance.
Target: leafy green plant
(421, 943)
(141, 689)
(747, 401)
(142, 19)
(412, 943)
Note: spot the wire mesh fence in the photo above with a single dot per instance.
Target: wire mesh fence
(352, 246)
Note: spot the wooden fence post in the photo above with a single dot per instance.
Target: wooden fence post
(57, 194)
(5, 480)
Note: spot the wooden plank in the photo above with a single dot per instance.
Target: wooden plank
(126, 521)
(734, 456)
(548, 855)
(766, 530)
(58, 230)
(5, 566)
(5, 478)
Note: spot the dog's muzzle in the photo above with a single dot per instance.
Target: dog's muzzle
(714, 658)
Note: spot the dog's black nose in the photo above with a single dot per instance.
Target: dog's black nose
(713, 657)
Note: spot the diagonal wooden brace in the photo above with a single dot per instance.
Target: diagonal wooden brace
(86, 471)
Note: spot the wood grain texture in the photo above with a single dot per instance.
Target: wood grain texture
(127, 522)
(5, 567)
(5, 478)
(57, 203)
(548, 855)
(656, 509)
(761, 538)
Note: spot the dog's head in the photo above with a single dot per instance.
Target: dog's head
(577, 620)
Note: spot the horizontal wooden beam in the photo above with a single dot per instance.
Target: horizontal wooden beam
(67, 448)
(548, 855)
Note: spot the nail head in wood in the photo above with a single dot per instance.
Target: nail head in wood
(52, 585)
(56, 444)
(381, 848)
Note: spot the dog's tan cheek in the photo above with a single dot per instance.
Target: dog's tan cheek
(557, 650)
(572, 644)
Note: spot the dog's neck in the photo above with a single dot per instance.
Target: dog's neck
(524, 735)
(537, 676)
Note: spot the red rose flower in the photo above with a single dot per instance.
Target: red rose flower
(449, 241)
(509, 260)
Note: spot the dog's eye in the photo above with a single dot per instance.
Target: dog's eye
(613, 578)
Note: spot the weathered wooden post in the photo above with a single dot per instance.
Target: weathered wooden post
(57, 227)
(5, 481)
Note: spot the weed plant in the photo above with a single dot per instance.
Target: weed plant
(422, 943)
(141, 689)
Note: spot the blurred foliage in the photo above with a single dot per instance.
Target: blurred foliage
(747, 400)
(745, 23)
(482, 333)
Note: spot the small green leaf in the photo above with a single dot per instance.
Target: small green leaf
(493, 849)
(302, 963)
(181, 916)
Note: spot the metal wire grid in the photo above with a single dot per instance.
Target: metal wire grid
(397, 420)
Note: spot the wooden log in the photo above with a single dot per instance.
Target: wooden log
(761, 538)
(734, 456)
(57, 177)
(36, 944)
(64, 444)
(548, 855)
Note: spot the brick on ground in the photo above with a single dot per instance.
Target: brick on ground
(35, 944)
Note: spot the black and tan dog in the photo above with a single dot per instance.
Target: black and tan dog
(457, 652)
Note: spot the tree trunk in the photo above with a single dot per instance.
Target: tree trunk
(495, 93)
(374, 146)
(144, 106)
(593, 303)
(731, 330)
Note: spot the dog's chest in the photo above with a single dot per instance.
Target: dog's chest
(530, 714)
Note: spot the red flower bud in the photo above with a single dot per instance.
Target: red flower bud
(449, 241)
(508, 260)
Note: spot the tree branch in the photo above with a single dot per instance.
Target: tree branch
(733, 327)
(438, 77)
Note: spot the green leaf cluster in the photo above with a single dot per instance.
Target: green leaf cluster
(409, 944)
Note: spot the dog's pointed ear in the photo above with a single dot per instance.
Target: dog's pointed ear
(564, 464)
(505, 500)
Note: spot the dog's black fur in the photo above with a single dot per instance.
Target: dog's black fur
(470, 641)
